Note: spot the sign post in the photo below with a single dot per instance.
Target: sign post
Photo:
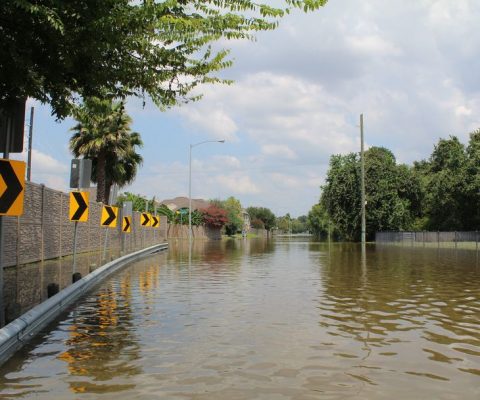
(127, 213)
(80, 175)
(145, 222)
(12, 123)
(109, 218)
(78, 213)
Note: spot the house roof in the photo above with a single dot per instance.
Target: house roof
(182, 202)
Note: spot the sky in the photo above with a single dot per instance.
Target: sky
(411, 67)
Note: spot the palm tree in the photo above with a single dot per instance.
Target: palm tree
(121, 171)
(103, 134)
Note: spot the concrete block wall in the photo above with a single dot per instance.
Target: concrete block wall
(198, 232)
(261, 233)
(44, 231)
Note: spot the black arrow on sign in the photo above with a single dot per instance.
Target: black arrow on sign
(82, 206)
(127, 224)
(155, 221)
(14, 187)
(146, 219)
(111, 216)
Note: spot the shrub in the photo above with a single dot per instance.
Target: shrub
(214, 217)
(258, 224)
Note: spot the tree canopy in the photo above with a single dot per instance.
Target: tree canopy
(388, 193)
(439, 193)
(263, 214)
(55, 51)
(103, 134)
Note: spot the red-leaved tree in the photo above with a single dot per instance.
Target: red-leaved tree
(257, 223)
(214, 217)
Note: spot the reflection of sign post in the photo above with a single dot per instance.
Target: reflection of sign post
(12, 183)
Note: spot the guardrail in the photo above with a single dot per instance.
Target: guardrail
(18, 332)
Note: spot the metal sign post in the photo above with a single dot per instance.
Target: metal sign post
(2, 307)
(155, 214)
(111, 200)
(80, 175)
(127, 211)
(12, 123)
(144, 230)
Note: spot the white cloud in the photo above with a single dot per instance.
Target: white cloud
(47, 170)
(211, 119)
(46, 164)
(372, 45)
(410, 68)
(226, 161)
(279, 150)
(238, 184)
(462, 110)
(286, 181)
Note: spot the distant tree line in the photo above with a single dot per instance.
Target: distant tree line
(439, 193)
(225, 214)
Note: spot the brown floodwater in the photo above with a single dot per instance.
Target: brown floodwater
(266, 320)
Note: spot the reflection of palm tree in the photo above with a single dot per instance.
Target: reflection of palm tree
(103, 134)
(98, 341)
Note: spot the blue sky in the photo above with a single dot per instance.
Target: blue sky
(410, 67)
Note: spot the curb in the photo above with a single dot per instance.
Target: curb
(14, 335)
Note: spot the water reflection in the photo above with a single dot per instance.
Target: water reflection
(247, 319)
(101, 345)
(25, 286)
(411, 306)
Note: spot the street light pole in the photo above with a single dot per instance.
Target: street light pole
(362, 184)
(190, 185)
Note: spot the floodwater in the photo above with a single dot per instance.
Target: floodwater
(266, 320)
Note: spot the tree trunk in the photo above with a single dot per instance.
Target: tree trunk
(108, 189)
(101, 178)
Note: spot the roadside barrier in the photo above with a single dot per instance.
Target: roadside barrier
(18, 332)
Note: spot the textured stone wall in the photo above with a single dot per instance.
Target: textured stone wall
(261, 233)
(38, 246)
(198, 232)
(44, 231)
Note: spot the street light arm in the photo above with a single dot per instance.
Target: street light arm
(207, 141)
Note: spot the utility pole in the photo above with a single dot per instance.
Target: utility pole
(362, 161)
(30, 136)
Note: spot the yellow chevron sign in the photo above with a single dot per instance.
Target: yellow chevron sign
(127, 224)
(109, 216)
(78, 206)
(146, 219)
(12, 185)
(155, 221)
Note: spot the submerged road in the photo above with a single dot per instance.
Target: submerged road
(290, 319)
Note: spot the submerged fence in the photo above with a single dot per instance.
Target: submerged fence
(430, 239)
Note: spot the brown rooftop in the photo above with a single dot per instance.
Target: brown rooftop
(182, 202)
